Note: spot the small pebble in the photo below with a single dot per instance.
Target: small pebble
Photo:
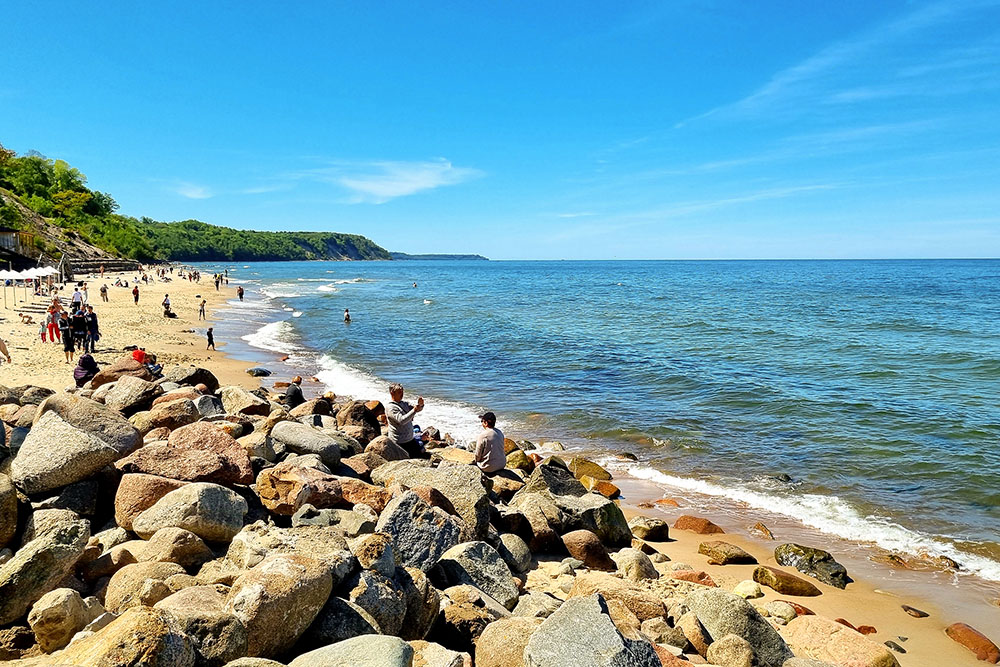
(895, 647)
(680, 566)
(902, 638)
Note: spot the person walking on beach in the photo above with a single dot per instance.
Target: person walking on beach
(135, 294)
(399, 415)
(239, 292)
(293, 394)
(104, 293)
(77, 300)
(66, 331)
(347, 315)
(211, 339)
(52, 321)
(93, 330)
(201, 309)
(489, 452)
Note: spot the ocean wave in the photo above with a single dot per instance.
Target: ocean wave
(297, 313)
(281, 292)
(327, 288)
(461, 420)
(348, 281)
(833, 516)
(311, 280)
(274, 336)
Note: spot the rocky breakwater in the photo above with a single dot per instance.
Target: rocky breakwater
(176, 522)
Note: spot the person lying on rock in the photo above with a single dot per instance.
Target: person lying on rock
(399, 414)
(489, 452)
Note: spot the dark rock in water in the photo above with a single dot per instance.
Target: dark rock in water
(914, 612)
(813, 562)
(785, 478)
(581, 634)
(258, 372)
(787, 584)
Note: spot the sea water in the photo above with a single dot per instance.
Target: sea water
(861, 398)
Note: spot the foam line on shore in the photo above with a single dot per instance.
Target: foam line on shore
(831, 515)
(273, 336)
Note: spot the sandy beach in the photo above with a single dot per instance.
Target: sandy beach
(122, 323)
(868, 601)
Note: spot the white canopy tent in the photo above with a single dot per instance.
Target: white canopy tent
(26, 275)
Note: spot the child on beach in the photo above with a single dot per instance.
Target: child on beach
(201, 309)
(135, 294)
(211, 339)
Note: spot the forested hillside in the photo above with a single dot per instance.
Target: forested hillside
(58, 193)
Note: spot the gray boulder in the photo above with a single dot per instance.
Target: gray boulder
(813, 562)
(302, 439)
(219, 636)
(132, 394)
(259, 540)
(422, 602)
(191, 376)
(72, 438)
(515, 552)
(634, 565)
(650, 528)
(209, 406)
(364, 651)
(210, 511)
(460, 484)
(39, 566)
(339, 619)
(477, 564)
(349, 522)
(421, 534)
(8, 510)
(722, 613)
(380, 597)
(581, 634)
(537, 604)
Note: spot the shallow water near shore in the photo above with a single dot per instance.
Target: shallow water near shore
(874, 386)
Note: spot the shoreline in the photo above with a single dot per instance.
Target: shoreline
(862, 603)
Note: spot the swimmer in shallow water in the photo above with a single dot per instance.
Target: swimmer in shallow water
(347, 314)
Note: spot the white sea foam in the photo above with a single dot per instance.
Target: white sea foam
(461, 420)
(282, 290)
(287, 309)
(327, 288)
(297, 313)
(831, 515)
(427, 302)
(348, 281)
(312, 280)
(274, 336)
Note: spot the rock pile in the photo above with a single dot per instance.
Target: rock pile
(176, 522)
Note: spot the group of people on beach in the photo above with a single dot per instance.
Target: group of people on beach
(77, 327)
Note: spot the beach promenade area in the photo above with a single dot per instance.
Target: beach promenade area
(193, 520)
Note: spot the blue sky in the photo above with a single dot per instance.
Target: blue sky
(531, 130)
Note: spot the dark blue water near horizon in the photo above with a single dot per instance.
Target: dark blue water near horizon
(874, 385)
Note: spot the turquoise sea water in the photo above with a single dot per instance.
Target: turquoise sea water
(873, 385)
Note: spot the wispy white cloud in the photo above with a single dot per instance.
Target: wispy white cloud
(799, 88)
(193, 190)
(580, 214)
(379, 181)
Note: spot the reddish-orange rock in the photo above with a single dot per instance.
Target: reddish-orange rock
(603, 487)
(587, 547)
(667, 502)
(696, 524)
(799, 609)
(668, 659)
(124, 366)
(975, 641)
(355, 491)
(867, 629)
(199, 452)
(286, 487)
(845, 622)
(137, 493)
(762, 531)
(694, 576)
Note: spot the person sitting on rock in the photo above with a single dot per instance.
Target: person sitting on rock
(86, 369)
(399, 414)
(293, 394)
(489, 452)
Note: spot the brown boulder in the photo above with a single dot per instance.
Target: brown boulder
(357, 414)
(696, 524)
(386, 449)
(975, 641)
(185, 392)
(643, 603)
(364, 463)
(434, 498)
(787, 584)
(199, 452)
(587, 547)
(137, 493)
(581, 467)
(724, 553)
(603, 487)
(316, 406)
(174, 414)
(124, 366)
(694, 576)
(355, 491)
(286, 487)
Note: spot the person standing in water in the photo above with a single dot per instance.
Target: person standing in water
(347, 315)
(239, 292)
(211, 339)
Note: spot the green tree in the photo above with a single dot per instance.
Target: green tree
(68, 203)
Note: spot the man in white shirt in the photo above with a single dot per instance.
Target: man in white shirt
(489, 452)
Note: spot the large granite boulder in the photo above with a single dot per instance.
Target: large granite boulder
(722, 613)
(477, 564)
(581, 634)
(137, 493)
(422, 602)
(822, 638)
(378, 595)
(286, 487)
(237, 400)
(199, 452)
(503, 641)
(277, 600)
(357, 414)
(131, 394)
(219, 636)
(553, 494)
(258, 540)
(813, 562)
(212, 512)
(72, 438)
(141, 636)
(303, 439)
(783, 582)
(461, 485)
(363, 651)
(191, 376)
(139, 584)
(421, 534)
(644, 603)
(339, 619)
(40, 566)
(60, 614)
